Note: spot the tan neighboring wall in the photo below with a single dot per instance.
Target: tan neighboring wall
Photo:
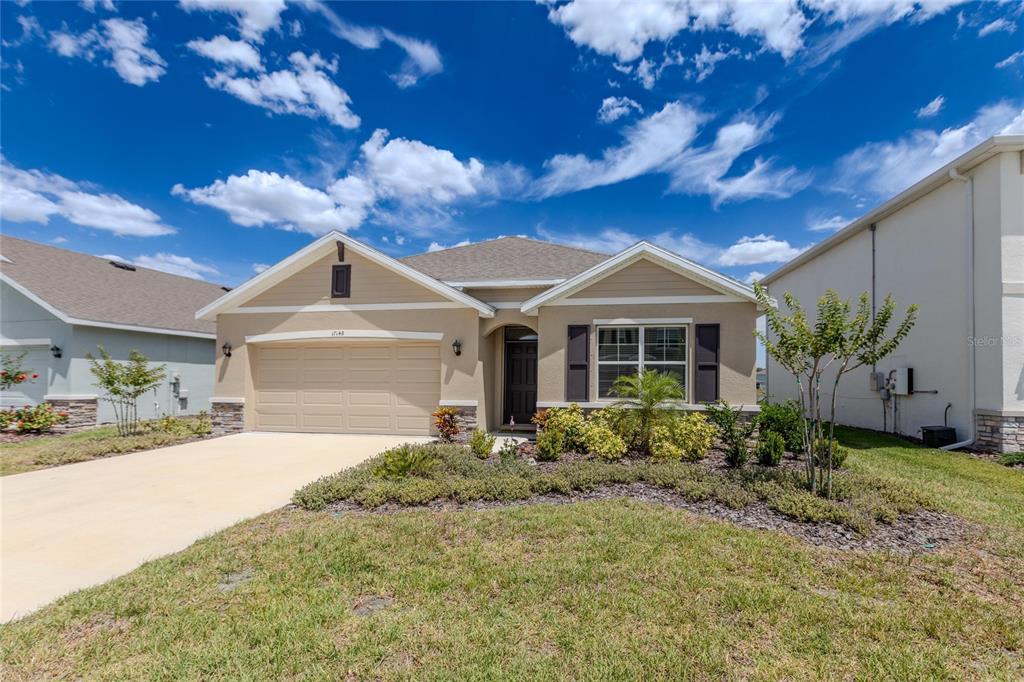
(505, 294)
(371, 283)
(737, 351)
(461, 377)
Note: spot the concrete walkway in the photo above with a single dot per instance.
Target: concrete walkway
(78, 525)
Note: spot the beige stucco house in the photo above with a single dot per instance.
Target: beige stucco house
(953, 243)
(340, 337)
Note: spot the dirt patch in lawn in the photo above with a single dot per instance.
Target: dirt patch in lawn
(921, 531)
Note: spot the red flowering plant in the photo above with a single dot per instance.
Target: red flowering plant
(11, 373)
(38, 419)
(446, 421)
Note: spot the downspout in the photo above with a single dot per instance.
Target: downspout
(973, 390)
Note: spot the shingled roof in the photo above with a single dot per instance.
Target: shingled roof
(89, 288)
(505, 258)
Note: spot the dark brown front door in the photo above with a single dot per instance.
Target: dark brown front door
(520, 381)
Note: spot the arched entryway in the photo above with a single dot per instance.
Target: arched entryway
(513, 376)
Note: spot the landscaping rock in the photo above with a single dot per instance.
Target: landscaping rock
(369, 604)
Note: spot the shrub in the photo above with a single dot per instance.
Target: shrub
(839, 453)
(481, 443)
(770, 447)
(550, 444)
(783, 419)
(38, 419)
(540, 418)
(645, 396)
(1012, 459)
(6, 419)
(184, 426)
(570, 422)
(694, 434)
(602, 442)
(508, 453)
(446, 421)
(406, 460)
(663, 443)
(733, 431)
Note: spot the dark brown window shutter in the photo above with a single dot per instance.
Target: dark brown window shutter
(577, 359)
(341, 281)
(706, 389)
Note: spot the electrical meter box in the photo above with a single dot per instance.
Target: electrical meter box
(876, 381)
(904, 381)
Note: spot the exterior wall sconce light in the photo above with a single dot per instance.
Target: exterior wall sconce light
(457, 347)
(227, 349)
(55, 351)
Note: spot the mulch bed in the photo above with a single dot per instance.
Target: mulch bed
(922, 531)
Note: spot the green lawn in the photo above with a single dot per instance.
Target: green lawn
(80, 446)
(596, 590)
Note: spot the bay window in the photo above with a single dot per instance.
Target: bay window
(625, 350)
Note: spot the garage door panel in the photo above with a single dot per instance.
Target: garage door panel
(386, 387)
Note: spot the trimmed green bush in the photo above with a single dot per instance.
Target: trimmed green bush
(734, 432)
(571, 423)
(602, 442)
(1012, 459)
(683, 436)
(839, 453)
(406, 460)
(770, 447)
(783, 419)
(550, 444)
(481, 443)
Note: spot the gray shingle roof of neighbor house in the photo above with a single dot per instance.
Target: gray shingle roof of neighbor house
(89, 288)
(505, 258)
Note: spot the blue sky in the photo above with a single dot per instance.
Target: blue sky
(213, 137)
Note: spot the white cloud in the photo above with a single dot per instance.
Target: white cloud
(1009, 61)
(997, 25)
(30, 29)
(408, 176)
(59, 240)
(932, 108)
(260, 267)
(253, 17)
(886, 168)
(305, 89)
(664, 143)
(761, 248)
(176, 265)
(259, 198)
(614, 108)
(33, 196)
(434, 246)
(123, 41)
(746, 251)
(422, 58)
(90, 5)
(827, 223)
(623, 28)
(753, 276)
(707, 60)
(223, 50)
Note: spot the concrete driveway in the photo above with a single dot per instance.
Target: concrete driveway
(82, 524)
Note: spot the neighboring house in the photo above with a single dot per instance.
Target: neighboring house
(58, 305)
(339, 337)
(954, 245)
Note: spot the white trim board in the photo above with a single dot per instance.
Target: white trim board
(641, 251)
(81, 396)
(646, 300)
(25, 343)
(458, 403)
(505, 283)
(600, 404)
(644, 320)
(341, 308)
(228, 400)
(318, 249)
(67, 319)
(342, 334)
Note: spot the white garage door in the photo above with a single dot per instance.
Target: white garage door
(387, 387)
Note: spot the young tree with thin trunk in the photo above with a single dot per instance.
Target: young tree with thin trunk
(124, 383)
(807, 351)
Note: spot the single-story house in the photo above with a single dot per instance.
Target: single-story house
(339, 337)
(57, 305)
(952, 243)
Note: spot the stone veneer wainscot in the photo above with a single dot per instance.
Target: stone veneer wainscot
(1000, 432)
(227, 416)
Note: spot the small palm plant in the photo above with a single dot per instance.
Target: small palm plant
(644, 397)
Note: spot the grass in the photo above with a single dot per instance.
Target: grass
(103, 441)
(596, 590)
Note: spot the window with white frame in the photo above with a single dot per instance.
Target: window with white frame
(625, 350)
